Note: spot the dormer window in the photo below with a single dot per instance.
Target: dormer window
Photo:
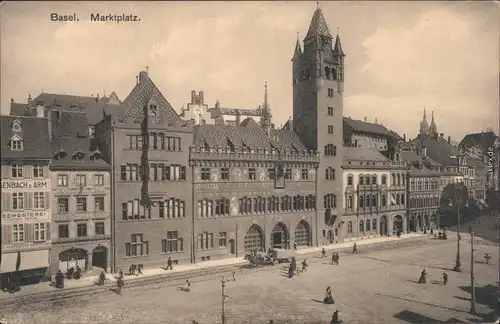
(91, 131)
(16, 143)
(78, 156)
(16, 126)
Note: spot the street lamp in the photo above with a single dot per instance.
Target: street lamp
(458, 264)
(223, 316)
(472, 286)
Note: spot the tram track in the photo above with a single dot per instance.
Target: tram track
(199, 275)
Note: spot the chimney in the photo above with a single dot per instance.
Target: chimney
(290, 123)
(217, 104)
(366, 119)
(404, 138)
(424, 151)
(49, 122)
(202, 100)
(136, 79)
(29, 98)
(449, 139)
(193, 96)
(40, 111)
(11, 100)
(142, 76)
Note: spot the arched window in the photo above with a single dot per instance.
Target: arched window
(361, 202)
(399, 179)
(393, 179)
(384, 179)
(367, 201)
(384, 201)
(349, 227)
(403, 181)
(374, 225)
(368, 225)
(350, 180)
(374, 201)
(397, 157)
(412, 185)
(398, 201)
(367, 180)
(374, 179)
(361, 226)
(403, 199)
(361, 180)
(349, 202)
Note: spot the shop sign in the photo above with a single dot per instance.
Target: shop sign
(26, 245)
(25, 216)
(25, 184)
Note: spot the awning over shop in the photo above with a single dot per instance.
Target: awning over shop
(28, 260)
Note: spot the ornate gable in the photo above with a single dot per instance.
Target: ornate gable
(146, 92)
(16, 125)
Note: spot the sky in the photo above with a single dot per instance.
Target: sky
(401, 56)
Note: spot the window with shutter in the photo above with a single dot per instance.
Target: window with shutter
(47, 231)
(6, 202)
(47, 199)
(29, 200)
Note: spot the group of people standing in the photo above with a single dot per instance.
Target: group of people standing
(423, 277)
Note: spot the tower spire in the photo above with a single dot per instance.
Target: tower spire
(265, 113)
(337, 49)
(298, 50)
(318, 26)
(433, 127)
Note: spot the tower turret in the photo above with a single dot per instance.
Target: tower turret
(433, 128)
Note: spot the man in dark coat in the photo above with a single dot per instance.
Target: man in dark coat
(169, 263)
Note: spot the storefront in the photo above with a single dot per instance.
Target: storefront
(29, 267)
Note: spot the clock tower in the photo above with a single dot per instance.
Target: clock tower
(318, 87)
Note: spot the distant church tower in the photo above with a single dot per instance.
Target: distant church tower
(433, 128)
(318, 87)
(424, 126)
(265, 113)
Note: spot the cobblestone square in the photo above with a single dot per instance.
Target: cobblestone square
(376, 286)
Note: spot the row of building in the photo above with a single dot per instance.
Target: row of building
(103, 183)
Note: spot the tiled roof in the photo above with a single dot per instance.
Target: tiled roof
(64, 101)
(318, 26)
(365, 127)
(35, 136)
(482, 140)
(142, 93)
(251, 137)
(396, 135)
(363, 154)
(437, 149)
(21, 109)
(95, 112)
(236, 111)
(249, 122)
(410, 156)
(65, 149)
(69, 124)
(424, 172)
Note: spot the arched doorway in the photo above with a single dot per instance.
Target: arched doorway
(72, 258)
(232, 246)
(397, 224)
(302, 234)
(279, 236)
(254, 239)
(383, 225)
(100, 257)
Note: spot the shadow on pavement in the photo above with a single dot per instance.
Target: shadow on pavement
(317, 301)
(413, 281)
(412, 317)
(487, 296)
(422, 303)
(407, 263)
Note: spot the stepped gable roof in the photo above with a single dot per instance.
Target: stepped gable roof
(318, 26)
(438, 149)
(365, 127)
(363, 154)
(144, 92)
(34, 134)
(65, 150)
(69, 124)
(482, 140)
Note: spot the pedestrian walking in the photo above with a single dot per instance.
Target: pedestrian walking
(423, 277)
(139, 269)
(333, 258)
(169, 264)
(323, 252)
(337, 256)
(354, 249)
(188, 285)
(445, 278)
(295, 246)
(234, 273)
